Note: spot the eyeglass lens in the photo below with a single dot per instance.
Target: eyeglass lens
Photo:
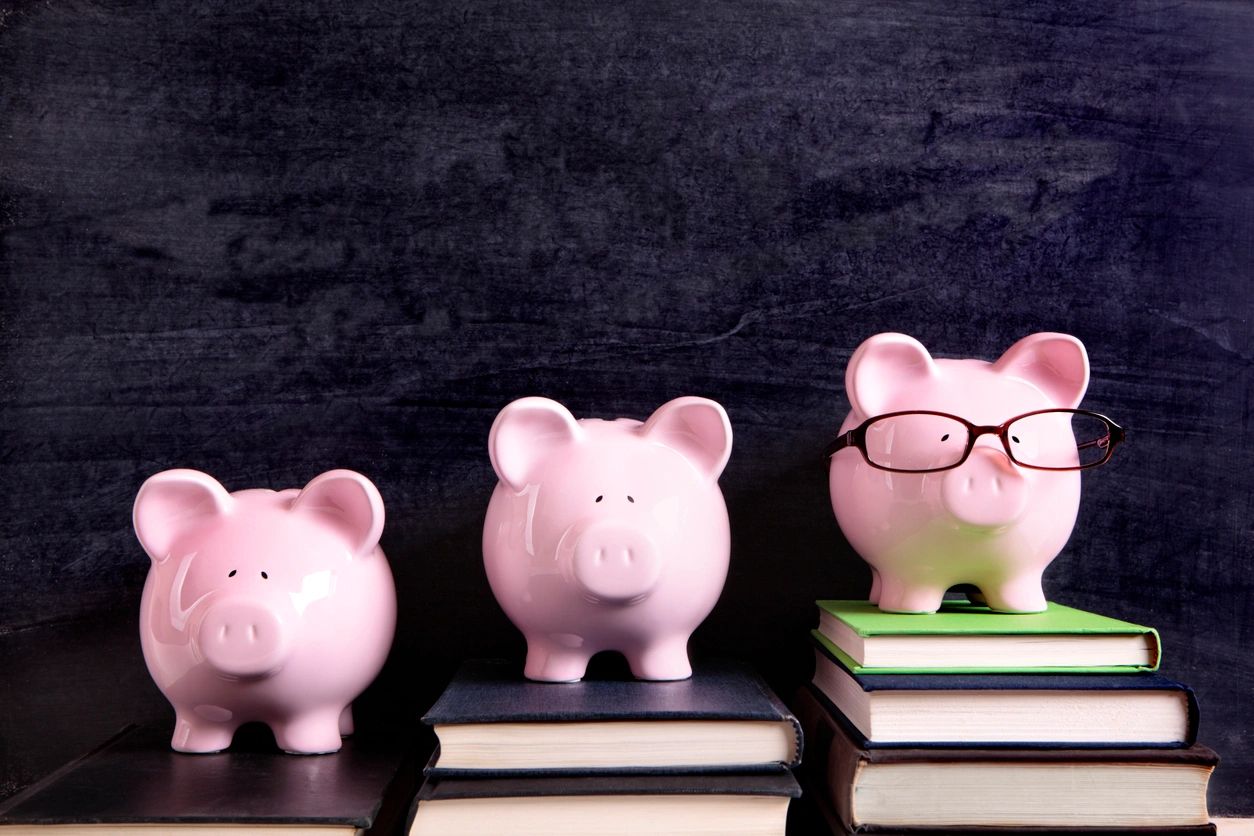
(916, 442)
(1059, 439)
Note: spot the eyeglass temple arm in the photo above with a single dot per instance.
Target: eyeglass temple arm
(842, 441)
(1114, 434)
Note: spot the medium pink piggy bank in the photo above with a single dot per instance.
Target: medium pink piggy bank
(265, 606)
(961, 471)
(607, 535)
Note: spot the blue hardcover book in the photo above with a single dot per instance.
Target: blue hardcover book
(707, 803)
(1021, 710)
(490, 721)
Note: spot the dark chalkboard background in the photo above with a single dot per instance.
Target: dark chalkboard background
(269, 239)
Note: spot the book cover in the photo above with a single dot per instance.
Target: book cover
(136, 779)
(486, 692)
(838, 761)
(632, 804)
(966, 619)
(779, 784)
(828, 653)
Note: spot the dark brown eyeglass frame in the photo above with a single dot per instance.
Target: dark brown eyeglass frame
(857, 438)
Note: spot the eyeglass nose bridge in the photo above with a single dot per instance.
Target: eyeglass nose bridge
(975, 433)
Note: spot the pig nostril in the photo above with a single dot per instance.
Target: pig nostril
(630, 556)
(222, 631)
(252, 632)
(996, 484)
(600, 556)
(970, 482)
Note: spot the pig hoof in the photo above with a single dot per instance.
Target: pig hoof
(908, 600)
(317, 734)
(546, 665)
(1023, 596)
(346, 721)
(662, 663)
(199, 738)
(1022, 603)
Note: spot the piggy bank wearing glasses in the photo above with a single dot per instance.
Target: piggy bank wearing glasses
(961, 471)
(607, 535)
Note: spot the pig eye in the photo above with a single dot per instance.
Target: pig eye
(1015, 439)
(629, 499)
(231, 574)
(599, 498)
(264, 576)
(945, 437)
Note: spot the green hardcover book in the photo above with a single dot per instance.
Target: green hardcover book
(965, 637)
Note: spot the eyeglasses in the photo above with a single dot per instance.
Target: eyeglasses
(928, 442)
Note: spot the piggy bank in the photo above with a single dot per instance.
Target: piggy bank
(267, 606)
(607, 535)
(961, 471)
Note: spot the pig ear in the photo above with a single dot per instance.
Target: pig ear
(1057, 364)
(525, 433)
(696, 427)
(348, 500)
(880, 367)
(170, 502)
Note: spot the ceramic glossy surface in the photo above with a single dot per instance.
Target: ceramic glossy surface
(987, 522)
(267, 606)
(608, 535)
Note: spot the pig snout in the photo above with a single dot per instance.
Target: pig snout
(987, 491)
(243, 639)
(615, 563)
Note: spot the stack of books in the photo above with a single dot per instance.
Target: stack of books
(710, 754)
(967, 718)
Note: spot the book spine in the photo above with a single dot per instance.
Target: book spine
(834, 764)
(785, 715)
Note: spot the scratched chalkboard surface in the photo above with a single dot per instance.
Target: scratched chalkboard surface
(266, 239)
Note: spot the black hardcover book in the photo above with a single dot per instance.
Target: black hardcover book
(490, 721)
(1070, 711)
(136, 780)
(936, 790)
(605, 805)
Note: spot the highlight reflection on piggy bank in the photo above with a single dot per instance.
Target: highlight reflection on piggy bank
(607, 535)
(267, 606)
(961, 471)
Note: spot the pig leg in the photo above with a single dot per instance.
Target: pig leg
(312, 733)
(874, 597)
(346, 721)
(664, 659)
(898, 596)
(193, 733)
(1022, 593)
(551, 662)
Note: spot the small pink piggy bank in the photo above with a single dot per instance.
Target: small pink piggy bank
(267, 606)
(607, 535)
(961, 471)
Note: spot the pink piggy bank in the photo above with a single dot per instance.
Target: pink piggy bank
(961, 471)
(265, 606)
(607, 535)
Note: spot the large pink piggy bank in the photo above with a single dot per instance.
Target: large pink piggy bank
(961, 471)
(607, 535)
(265, 606)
